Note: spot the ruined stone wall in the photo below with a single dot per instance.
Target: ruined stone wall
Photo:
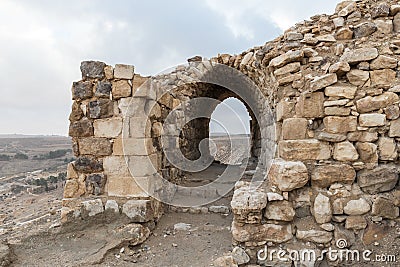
(333, 85)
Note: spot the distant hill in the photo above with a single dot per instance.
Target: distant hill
(30, 136)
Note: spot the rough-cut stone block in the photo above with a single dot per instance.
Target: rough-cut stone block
(71, 172)
(141, 166)
(371, 103)
(347, 91)
(337, 111)
(372, 120)
(139, 127)
(71, 189)
(364, 29)
(103, 89)
(358, 77)
(317, 236)
(330, 137)
(288, 175)
(76, 112)
(122, 71)
(383, 78)
(359, 55)
(380, 179)
(323, 81)
(380, 10)
(261, 233)
(340, 125)
(368, 152)
(93, 207)
(280, 211)
(385, 208)
(324, 176)
(294, 128)
(118, 186)
(289, 68)
(345, 151)
(307, 149)
(111, 127)
(133, 146)
(111, 205)
(310, 105)
(362, 136)
(102, 108)
(288, 57)
(356, 207)
(121, 89)
(392, 112)
(109, 72)
(116, 166)
(95, 146)
(82, 128)
(285, 109)
(356, 222)
(92, 69)
(387, 148)
(322, 210)
(394, 130)
(247, 204)
(138, 210)
(344, 34)
(82, 90)
(383, 62)
(88, 164)
(95, 183)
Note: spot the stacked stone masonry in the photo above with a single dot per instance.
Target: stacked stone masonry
(333, 85)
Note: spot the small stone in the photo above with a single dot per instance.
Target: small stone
(387, 148)
(357, 207)
(274, 196)
(93, 207)
(219, 209)
(102, 108)
(322, 209)
(112, 205)
(317, 236)
(392, 112)
(368, 152)
(288, 57)
(340, 68)
(356, 223)
(338, 22)
(289, 68)
(280, 211)
(293, 36)
(240, 256)
(327, 227)
(182, 227)
(344, 34)
(345, 8)
(326, 38)
(330, 137)
(224, 261)
(345, 151)
(384, 26)
(138, 210)
(364, 29)
(95, 183)
(385, 208)
(122, 71)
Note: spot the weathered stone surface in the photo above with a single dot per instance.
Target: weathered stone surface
(337, 111)
(396, 23)
(95, 183)
(225, 261)
(93, 207)
(383, 78)
(345, 151)
(109, 72)
(133, 146)
(368, 152)
(95, 146)
(357, 207)
(120, 89)
(330, 137)
(339, 68)
(294, 128)
(322, 210)
(344, 34)
(380, 10)
(385, 208)
(240, 256)
(384, 26)
(326, 38)
(310, 105)
(364, 29)
(141, 166)
(116, 166)
(82, 90)
(372, 120)
(345, 8)
(264, 232)
(371, 103)
(138, 210)
(340, 125)
(119, 186)
(324, 176)
(76, 112)
(82, 128)
(247, 204)
(133, 234)
(288, 175)
(122, 71)
(380, 179)
(71, 189)
(362, 136)
(317, 236)
(88, 164)
(92, 69)
(308, 149)
(280, 211)
(111, 205)
(387, 148)
(323, 81)
(392, 112)
(383, 62)
(346, 91)
(394, 130)
(358, 77)
(102, 108)
(285, 109)
(288, 57)
(359, 55)
(6, 254)
(356, 222)
(289, 68)
(111, 127)
(103, 89)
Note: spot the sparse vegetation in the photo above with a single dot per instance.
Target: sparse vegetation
(53, 154)
(4, 157)
(21, 156)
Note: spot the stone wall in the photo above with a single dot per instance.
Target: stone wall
(332, 83)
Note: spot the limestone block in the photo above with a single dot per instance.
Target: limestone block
(138, 210)
(387, 148)
(330, 137)
(358, 77)
(116, 166)
(294, 128)
(322, 210)
(385, 208)
(364, 29)
(95, 146)
(372, 120)
(308, 149)
(285, 109)
(359, 55)
(93, 207)
(288, 57)
(380, 179)
(261, 233)
(280, 211)
(347, 91)
(288, 175)
(141, 166)
(317, 236)
(310, 105)
(111, 127)
(371, 103)
(344, 34)
(118, 186)
(323, 81)
(324, 176)
(71, 172)
(357, 207)
(368, 152)
(340, 125)
(339, 68)
(356, 222)
(383, 78)
(247, 204)
(392, 112)
(289, 68)
(133, 146)
(81, 128)
(362, 136)
(88, 164)
(121, 89)
(394, 130)
(383, 62)
(71, 188)
(380, 10)
(337, 111)
(122, 71)
(139, 127)
(109, 72)
(345, 8)
(111, 205)
(345, 151)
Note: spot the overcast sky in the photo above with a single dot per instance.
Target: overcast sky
(43, 42)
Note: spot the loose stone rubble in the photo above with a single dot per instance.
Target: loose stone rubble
(333, 85)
